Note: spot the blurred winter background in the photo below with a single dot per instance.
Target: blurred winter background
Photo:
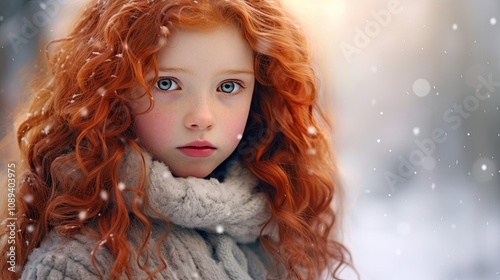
(415, 88)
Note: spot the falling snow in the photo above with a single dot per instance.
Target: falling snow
(416, 131)
(219, 229)
(101, 91)
(312, 130)
(82, 215)
(84, 112)
(421, 87)
(104, 195)
(28, 198)
(30, 228)
(46, 130)
(121, 186)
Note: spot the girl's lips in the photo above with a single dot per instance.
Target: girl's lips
(198, 149)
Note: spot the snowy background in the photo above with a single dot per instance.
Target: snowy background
(415, 90)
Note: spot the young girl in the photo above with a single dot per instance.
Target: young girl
(177, 139)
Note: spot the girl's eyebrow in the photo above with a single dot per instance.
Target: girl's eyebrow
(223, 72)
(235, 72)
(174, 70)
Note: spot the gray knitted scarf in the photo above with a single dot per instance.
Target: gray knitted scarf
(232, 206)
(230, 213)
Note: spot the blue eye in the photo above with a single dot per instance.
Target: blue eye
(229, 87)
(167, 84)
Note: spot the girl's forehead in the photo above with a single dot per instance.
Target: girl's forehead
(223, 45)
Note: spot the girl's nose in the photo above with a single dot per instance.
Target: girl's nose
(200, 115)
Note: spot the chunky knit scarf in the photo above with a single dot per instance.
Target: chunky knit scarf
(232, 206)
(214, 236)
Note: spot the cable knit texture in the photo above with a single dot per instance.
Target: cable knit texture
(214, 236)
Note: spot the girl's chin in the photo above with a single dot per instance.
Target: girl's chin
(192, 173)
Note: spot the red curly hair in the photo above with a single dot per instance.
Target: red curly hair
(79, 112)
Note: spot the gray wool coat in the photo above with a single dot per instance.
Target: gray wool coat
(214, 236)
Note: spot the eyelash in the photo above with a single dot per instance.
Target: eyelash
(166, 78)
(240, 84)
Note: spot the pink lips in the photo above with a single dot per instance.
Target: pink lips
(198, 149)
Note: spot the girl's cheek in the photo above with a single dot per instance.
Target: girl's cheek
(236, 129)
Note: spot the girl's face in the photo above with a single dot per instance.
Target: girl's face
(201, 100)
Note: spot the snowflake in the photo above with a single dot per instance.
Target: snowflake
(101, 91)
(416, 131)
(46, 130)
(121, 186)
(28, 198)
(219, 229)
(30, 228)
(104, 195)
(312, 130)
(82, 215)
(84, 112)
